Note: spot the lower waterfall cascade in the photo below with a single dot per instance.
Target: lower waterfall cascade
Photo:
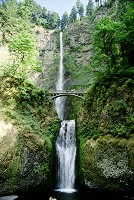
(66, 153)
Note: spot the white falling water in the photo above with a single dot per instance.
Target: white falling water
(66, 152)
(66, 141)
(60, 101)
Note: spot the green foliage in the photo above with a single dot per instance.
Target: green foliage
(42, 169)
(23, 90)
(127, 35)
(88, 132)
(109, 3)
(113, 41)
(53, 20)
(27, 92)
(15, 164)
(38, 15)
(11, 21)
(109, 108)
(64, 21)
(80, 9)
(29, 108)
(17, 30)
(23, 51)
(26, 9)
(8, 18)
(53, 128)
(89, 8)
(121, 130)
(22, 45)
(20, 16)
(73, 15)
(106, 45)
(72, 106)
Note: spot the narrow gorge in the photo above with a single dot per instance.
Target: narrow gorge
(68, 147)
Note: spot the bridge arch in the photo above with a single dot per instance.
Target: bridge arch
(61, 95)
(57, 94)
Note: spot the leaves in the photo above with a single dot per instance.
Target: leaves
(23, 44)
(23, 50)
(106, 43)
(64, 21)
(80, 8)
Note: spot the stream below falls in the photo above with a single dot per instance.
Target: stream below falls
(94, 194)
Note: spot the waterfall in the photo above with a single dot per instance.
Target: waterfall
(66, 152)
(60, 101)
(66, 140)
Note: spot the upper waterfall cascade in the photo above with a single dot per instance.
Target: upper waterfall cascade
(60, 101)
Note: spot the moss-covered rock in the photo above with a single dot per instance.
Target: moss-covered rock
(25, 162)
(49, 53)
(108, 109)
(29, 124)
(105, 130)
(108, 163)
(77, 45)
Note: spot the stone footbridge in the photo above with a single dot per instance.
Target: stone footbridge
(56, 94)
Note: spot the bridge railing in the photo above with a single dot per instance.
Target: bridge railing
(60, 93)
(66, 91)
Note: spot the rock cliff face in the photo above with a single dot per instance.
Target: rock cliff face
(26, 160)
(78, 50)
(105, 128)
(21, 159)
(27, 130)
(48, 47)
(8, 135)
(108, 163)
(77, 53)
(47, 42)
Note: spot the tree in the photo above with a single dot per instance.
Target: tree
(106, 43)
(31, 11)
(23, 51)
(126, 39)
(44, 13)
(99, 2)
(53, 20)
(64, 21)
(80, 8)
(26, 9)
(36, 13)
(73, 15)
(89, 8)
(81, 11)
(8, 19)
(114, 40)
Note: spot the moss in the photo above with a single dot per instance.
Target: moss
(105, 130)
(15, 165)
(107, 109)
(106, 162)
(37, 124)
